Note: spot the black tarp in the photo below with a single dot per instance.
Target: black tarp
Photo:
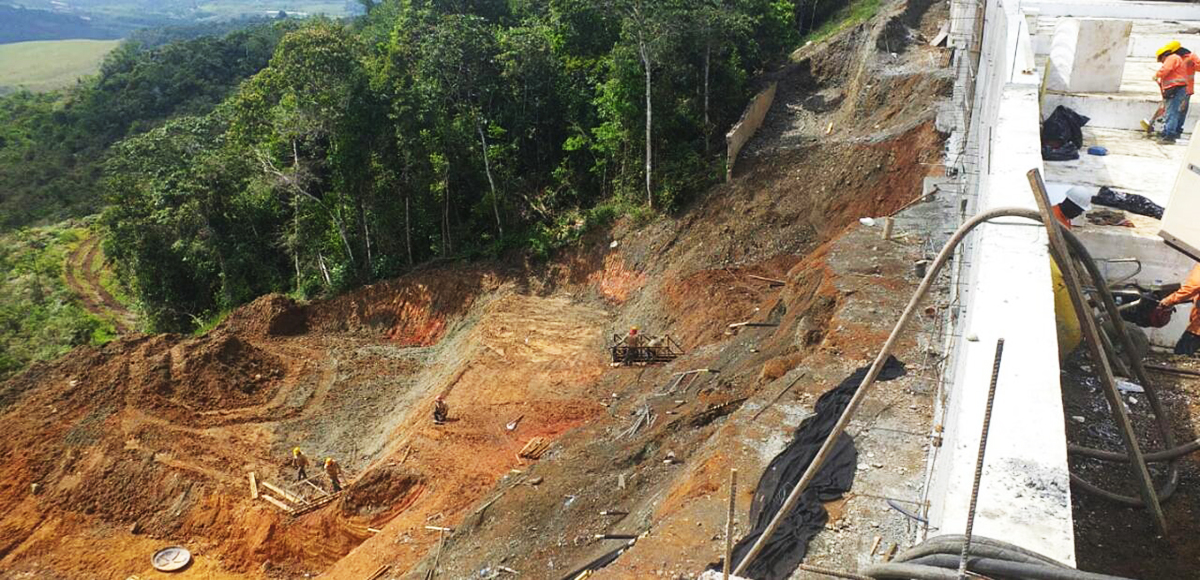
(1062, 134)
(788, 546)
(1130, 202)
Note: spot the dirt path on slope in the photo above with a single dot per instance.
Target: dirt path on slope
(83, 277)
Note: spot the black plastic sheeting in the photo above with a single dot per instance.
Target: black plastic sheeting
(1130, 202)
(788, 546)
(1062, 134)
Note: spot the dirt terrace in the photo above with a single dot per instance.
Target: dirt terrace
(117, 451)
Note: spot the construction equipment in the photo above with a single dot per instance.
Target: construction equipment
(657, 350)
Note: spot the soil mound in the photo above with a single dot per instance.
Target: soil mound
(270, 315)
(219, 372)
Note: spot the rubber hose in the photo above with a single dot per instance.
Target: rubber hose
(992, 566)
(951, 544)
(1084, 257)
(904, 571)
(1156, 457)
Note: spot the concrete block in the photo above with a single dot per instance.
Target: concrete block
(1088, 56)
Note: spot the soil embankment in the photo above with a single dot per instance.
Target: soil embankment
(147, 441)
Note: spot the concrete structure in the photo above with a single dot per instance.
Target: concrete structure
(1088, 55)
(1005, 285)
(1003, 274)
(744, 129)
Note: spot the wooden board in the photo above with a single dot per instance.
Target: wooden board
(283, 506)
(283, 494)
(316, 504)
(253, 486)
(534, 449)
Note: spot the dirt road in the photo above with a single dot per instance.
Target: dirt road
(82, 271)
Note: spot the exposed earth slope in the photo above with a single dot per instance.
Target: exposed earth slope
(117, 451)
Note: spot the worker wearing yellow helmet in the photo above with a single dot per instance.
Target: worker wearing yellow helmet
(1172, 79)
(299, 461)
(333, 470)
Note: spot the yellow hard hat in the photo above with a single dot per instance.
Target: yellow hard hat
(328, 460)
(295, 451)
(1168, 48)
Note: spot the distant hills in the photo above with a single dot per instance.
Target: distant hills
(20, 24)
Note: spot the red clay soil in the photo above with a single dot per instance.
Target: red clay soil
(146, 442)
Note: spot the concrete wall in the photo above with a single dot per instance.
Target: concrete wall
(1123, 9)
(1116, 112)
(1088, 55)
(744, 129)
(1006, 293)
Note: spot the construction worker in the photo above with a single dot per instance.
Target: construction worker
(1191, 62)
(440, 411)
(1189, 341)
(1078, 200)
(333, 470)
(1172, 79)
(633, 338)
(633, 341)
(299, 461)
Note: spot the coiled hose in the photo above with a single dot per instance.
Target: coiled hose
(937, 559)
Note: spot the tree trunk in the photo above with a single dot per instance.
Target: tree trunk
(407, 227)
(447, 243)
(644, 50)
(361, 212)
(487, 168)
(707, 126)
(324, 270)
(295, 245)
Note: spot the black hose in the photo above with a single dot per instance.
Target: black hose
(1156, 457)
(1160, 417)
(1022, 570)
(905, 571)
(951, 544)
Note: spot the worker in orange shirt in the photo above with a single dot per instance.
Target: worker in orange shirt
(1189, 342)
(1078, 200)
(1172, 78)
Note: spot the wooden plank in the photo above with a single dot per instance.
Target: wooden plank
(317, 504)
(316, 487)
(283, 506)
(772, 281)
(283, 493)
(379, 572)
(253, 486)
(1091, 332)
(534, 448)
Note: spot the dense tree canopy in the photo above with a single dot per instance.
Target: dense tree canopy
(427, 129)
(52, 146)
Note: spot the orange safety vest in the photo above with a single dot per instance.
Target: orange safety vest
(1189, 291)
(1061, 217)
(1172, 74)
(1190, 62)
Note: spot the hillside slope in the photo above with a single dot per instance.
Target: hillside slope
(145, 442)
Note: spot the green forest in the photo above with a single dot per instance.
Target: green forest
(309, 157)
